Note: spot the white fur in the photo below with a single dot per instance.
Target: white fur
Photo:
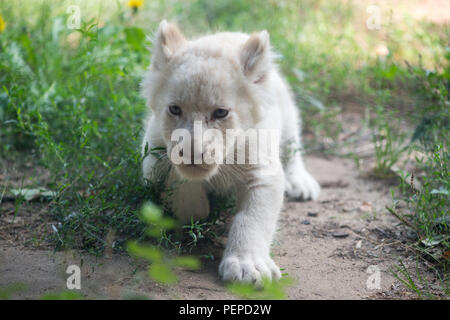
(234, 71)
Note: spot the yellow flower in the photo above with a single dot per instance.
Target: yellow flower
(2, 24)
(135, 3)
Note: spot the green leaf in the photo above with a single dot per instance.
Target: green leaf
(149, 253)
(268, 290)
(167, 223)
(30, 194)
(65, 295)
(135, 38)
(432, 241)
(151, 213)
(187, 262)
(153, 232)
(441, 190)
(162, 273)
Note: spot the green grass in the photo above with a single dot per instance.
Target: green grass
(388, 141)
(425, 191)
(69, 101)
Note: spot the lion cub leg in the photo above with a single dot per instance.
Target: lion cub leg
(188, 199)
(299, 183)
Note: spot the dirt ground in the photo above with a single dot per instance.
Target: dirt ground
(329, 247)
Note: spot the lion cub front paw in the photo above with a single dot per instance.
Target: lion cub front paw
(300, 185)
(248, 268)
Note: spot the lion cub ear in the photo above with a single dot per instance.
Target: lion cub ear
(168, 40)
(255, 56)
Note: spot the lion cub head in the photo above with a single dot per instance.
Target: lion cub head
(199, 89)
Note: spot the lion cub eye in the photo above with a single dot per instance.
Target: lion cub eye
(175, 110)
(220, 113)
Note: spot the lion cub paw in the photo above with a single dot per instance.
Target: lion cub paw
(248, 268)
(300, 185)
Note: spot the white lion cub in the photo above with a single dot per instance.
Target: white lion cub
(221, 83)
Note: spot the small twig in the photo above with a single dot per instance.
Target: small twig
(361, 236)
(402, 219)
(3, 194)
(414, 190)
(203, 288)
(9, 212)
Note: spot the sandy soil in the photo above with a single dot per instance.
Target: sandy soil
(326, 246)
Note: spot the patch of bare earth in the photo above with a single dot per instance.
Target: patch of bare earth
(22, 222)
(329, 247)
